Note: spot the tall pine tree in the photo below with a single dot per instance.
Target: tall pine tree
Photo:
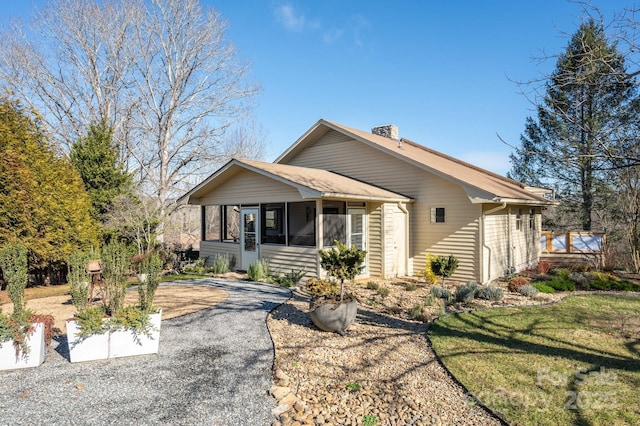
(581, 126)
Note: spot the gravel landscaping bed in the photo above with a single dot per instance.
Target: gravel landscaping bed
(383, 368)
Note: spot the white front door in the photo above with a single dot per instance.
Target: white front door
(249, 237)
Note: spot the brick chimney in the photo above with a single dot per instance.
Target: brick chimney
(389, 131)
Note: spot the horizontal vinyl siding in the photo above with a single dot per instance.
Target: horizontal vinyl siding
(248, 187)
(526, 242)
(283, 259)
(458, 236)
(496, 236)
(208, 250)
(374, 255)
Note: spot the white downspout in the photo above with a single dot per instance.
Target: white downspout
(408, 270)
(484, 242)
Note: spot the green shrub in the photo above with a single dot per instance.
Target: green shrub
(516, 282)
(444, 266)
(116, 264)
(561, 283)
(528, 290)
(90, 321)
(429, 276)
(342, 262)
(318, 287)
(290, 279)
(542, 287)
(258, 270)
(417, 312)
(151, 268)
(490, 292)
(134, 319)
(441, 293)
(383, 291)
(79, 280)
(467, 292)
(220, 263)
(372, 285)
(13, 263)
(625, 285)
(411, 287)
(198, 267)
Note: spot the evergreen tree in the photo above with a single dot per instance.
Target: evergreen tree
(95, 157)
(43, 204)
(583, 123)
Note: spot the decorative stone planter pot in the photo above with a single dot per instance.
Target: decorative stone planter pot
(334, 316)
(113, 343)
(35, 357)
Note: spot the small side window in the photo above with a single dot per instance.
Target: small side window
(437, 215)
(519, 219)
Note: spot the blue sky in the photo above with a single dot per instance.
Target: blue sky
(439, 70)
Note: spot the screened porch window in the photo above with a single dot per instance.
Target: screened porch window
(333, 222)
(273, 223)
(221, 223)
(302, 223)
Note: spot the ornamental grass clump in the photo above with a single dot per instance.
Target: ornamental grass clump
(258, 270)
(221, 263)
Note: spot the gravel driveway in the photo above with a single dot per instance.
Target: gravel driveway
(214, 368)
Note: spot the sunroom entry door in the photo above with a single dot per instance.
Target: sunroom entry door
(249, 235)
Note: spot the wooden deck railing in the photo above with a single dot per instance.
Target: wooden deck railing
(572, 242)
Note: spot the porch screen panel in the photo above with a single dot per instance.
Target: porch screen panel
(272, 218)
(231, 223)
(333, 222)
(302, 223)
(212, 223)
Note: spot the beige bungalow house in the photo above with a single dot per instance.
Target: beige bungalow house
(394, 198)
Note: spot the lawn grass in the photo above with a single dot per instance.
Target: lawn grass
(574, 362)
(38, 292)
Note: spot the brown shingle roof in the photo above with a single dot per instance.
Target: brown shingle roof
(479, 183)
(312, 183)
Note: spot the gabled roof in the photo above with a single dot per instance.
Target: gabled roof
(311, 183)
(481, 185)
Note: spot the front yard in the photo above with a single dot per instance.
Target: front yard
(574, 362)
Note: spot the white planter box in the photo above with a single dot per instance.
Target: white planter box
(113, 344)
(34, 358)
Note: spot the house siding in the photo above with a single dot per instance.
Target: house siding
(248, 187)
(501, 235)
(526, 240)
(496, 241)
(458, 236)
(375, 249)
(283, 259)
(208, 250)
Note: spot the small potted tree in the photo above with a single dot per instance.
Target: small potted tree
(22, 334)
(330, 312)
(112, 329)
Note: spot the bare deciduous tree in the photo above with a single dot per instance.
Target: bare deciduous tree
(160, 71)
